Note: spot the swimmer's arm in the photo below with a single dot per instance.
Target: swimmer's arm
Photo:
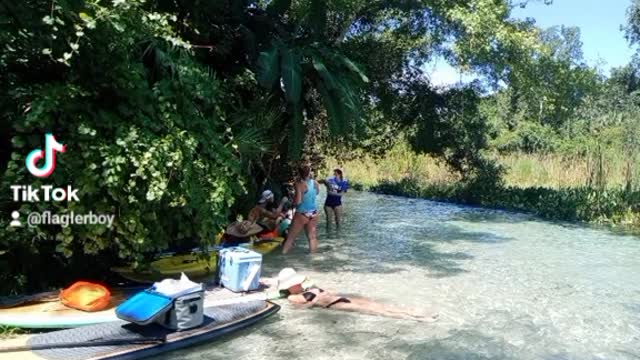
(307, 304)
(300, 302)
(297, 299)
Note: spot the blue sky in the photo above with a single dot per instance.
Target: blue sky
(599, 22)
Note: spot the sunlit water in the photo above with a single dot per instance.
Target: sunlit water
(506, 286)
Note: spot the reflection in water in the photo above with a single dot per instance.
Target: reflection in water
(507, 286)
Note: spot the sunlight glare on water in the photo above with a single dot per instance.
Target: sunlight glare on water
(506, 286)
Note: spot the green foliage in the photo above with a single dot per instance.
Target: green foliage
(291, 70)
(450, 125)
(550, 88)
(167, 106)
(268, 69)
(146, 138)
(333, 75)
(528, 137)
(278, 7)
(632, 28)
(575, 204)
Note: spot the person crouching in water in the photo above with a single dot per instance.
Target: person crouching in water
(262, 215)
(306, 211)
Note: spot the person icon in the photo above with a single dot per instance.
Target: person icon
(15, 222)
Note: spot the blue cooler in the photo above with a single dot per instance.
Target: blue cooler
(239, 269)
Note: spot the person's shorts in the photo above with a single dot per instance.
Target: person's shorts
(333, 201)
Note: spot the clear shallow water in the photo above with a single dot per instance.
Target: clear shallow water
(506, 286)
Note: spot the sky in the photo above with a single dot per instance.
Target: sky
(603, 42)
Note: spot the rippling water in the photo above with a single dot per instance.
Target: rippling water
(506, 286)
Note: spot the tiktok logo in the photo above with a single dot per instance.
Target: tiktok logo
(49, 155)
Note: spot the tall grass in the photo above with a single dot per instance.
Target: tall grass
(600, 187)
(399, 163)
(609, 169)
(562, 171)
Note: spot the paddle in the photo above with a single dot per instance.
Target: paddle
(108, 342)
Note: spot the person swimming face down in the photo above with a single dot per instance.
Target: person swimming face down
(294, 286)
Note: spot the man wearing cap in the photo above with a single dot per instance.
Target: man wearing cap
(262, 216)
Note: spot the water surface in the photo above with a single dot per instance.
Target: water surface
(506, 286)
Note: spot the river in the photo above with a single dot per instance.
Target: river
(506, 286)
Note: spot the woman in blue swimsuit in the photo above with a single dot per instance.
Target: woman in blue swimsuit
(336, 187)
(306, 215)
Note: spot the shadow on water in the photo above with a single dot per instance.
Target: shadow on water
(385, 249)
(441, 264)
(374, 343)
(476, 347)
(449, 233)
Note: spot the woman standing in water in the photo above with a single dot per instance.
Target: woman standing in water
(336, 187)
(306, 216)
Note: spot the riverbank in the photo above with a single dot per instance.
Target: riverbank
(552, 187)
(611, 207)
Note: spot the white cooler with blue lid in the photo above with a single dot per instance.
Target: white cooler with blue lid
(239, 269)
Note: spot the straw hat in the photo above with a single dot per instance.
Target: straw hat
(243, 229)
(288, 278)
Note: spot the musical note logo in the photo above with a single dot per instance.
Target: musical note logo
(49, 155)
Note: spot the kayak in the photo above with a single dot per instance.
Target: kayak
(52, 314)
(172, 266)
(192, 265)
(264, 246)
(122, 340)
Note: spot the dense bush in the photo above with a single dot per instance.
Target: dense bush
(146, 139)
(528, 137)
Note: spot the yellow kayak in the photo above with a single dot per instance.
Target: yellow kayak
(264, 246)
(260, 245)
(193, 265)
